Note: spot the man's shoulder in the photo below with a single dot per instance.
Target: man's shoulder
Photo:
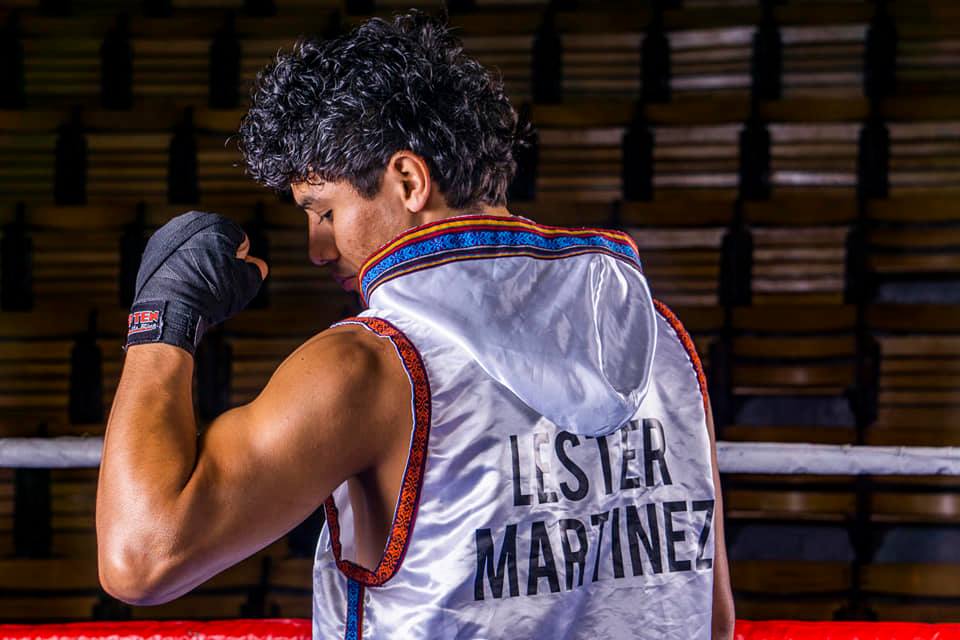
(338, 389)
(353, 367)
(349, 344)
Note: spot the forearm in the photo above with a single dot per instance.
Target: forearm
(149, 453)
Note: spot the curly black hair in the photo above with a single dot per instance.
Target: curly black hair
(338, 109)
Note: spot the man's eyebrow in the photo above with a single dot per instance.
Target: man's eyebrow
(306, 202)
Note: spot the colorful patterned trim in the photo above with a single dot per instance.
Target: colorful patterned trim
(690, 348)
(354, 611)
(480, 236)
(405, 514)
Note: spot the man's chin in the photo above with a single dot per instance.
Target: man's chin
(348, 284)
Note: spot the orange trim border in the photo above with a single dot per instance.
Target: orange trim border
(689, 346)
(409, 500)
(516, 222)
(513, 223)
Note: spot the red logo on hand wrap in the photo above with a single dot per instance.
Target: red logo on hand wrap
(141, 321)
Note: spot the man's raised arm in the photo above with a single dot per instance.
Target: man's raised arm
(173, 511)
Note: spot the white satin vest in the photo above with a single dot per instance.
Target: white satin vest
(558, 483)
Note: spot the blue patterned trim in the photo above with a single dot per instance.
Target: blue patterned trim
(354, 610)
(505, 242)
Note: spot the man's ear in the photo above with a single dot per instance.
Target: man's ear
(410, 176)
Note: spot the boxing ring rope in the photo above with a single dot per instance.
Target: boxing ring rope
(732, 457)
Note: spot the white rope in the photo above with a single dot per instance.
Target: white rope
(50, 453)
(733, 457)
(827, 459)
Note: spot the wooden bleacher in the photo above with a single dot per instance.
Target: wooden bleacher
(679, 242)
(918, 368)
(47, 589)
(789, 590)
(921, 592)
(779, 356)
(910, 242)
(790, 369)
(35, 370)
(799, 254)
(785, 570)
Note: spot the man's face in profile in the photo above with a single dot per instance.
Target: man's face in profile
(344, 228)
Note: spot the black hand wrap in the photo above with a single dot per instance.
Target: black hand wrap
(189, 280)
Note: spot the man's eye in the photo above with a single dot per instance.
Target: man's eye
(328, 215)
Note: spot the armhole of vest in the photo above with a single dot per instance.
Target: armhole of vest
(408, 502)
(689, 347)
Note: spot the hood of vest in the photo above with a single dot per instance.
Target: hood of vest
(561, 317)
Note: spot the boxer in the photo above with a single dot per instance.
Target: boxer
(513, 439)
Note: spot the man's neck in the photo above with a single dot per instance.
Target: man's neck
(441, 214)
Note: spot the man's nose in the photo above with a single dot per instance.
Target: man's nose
(322, 249)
